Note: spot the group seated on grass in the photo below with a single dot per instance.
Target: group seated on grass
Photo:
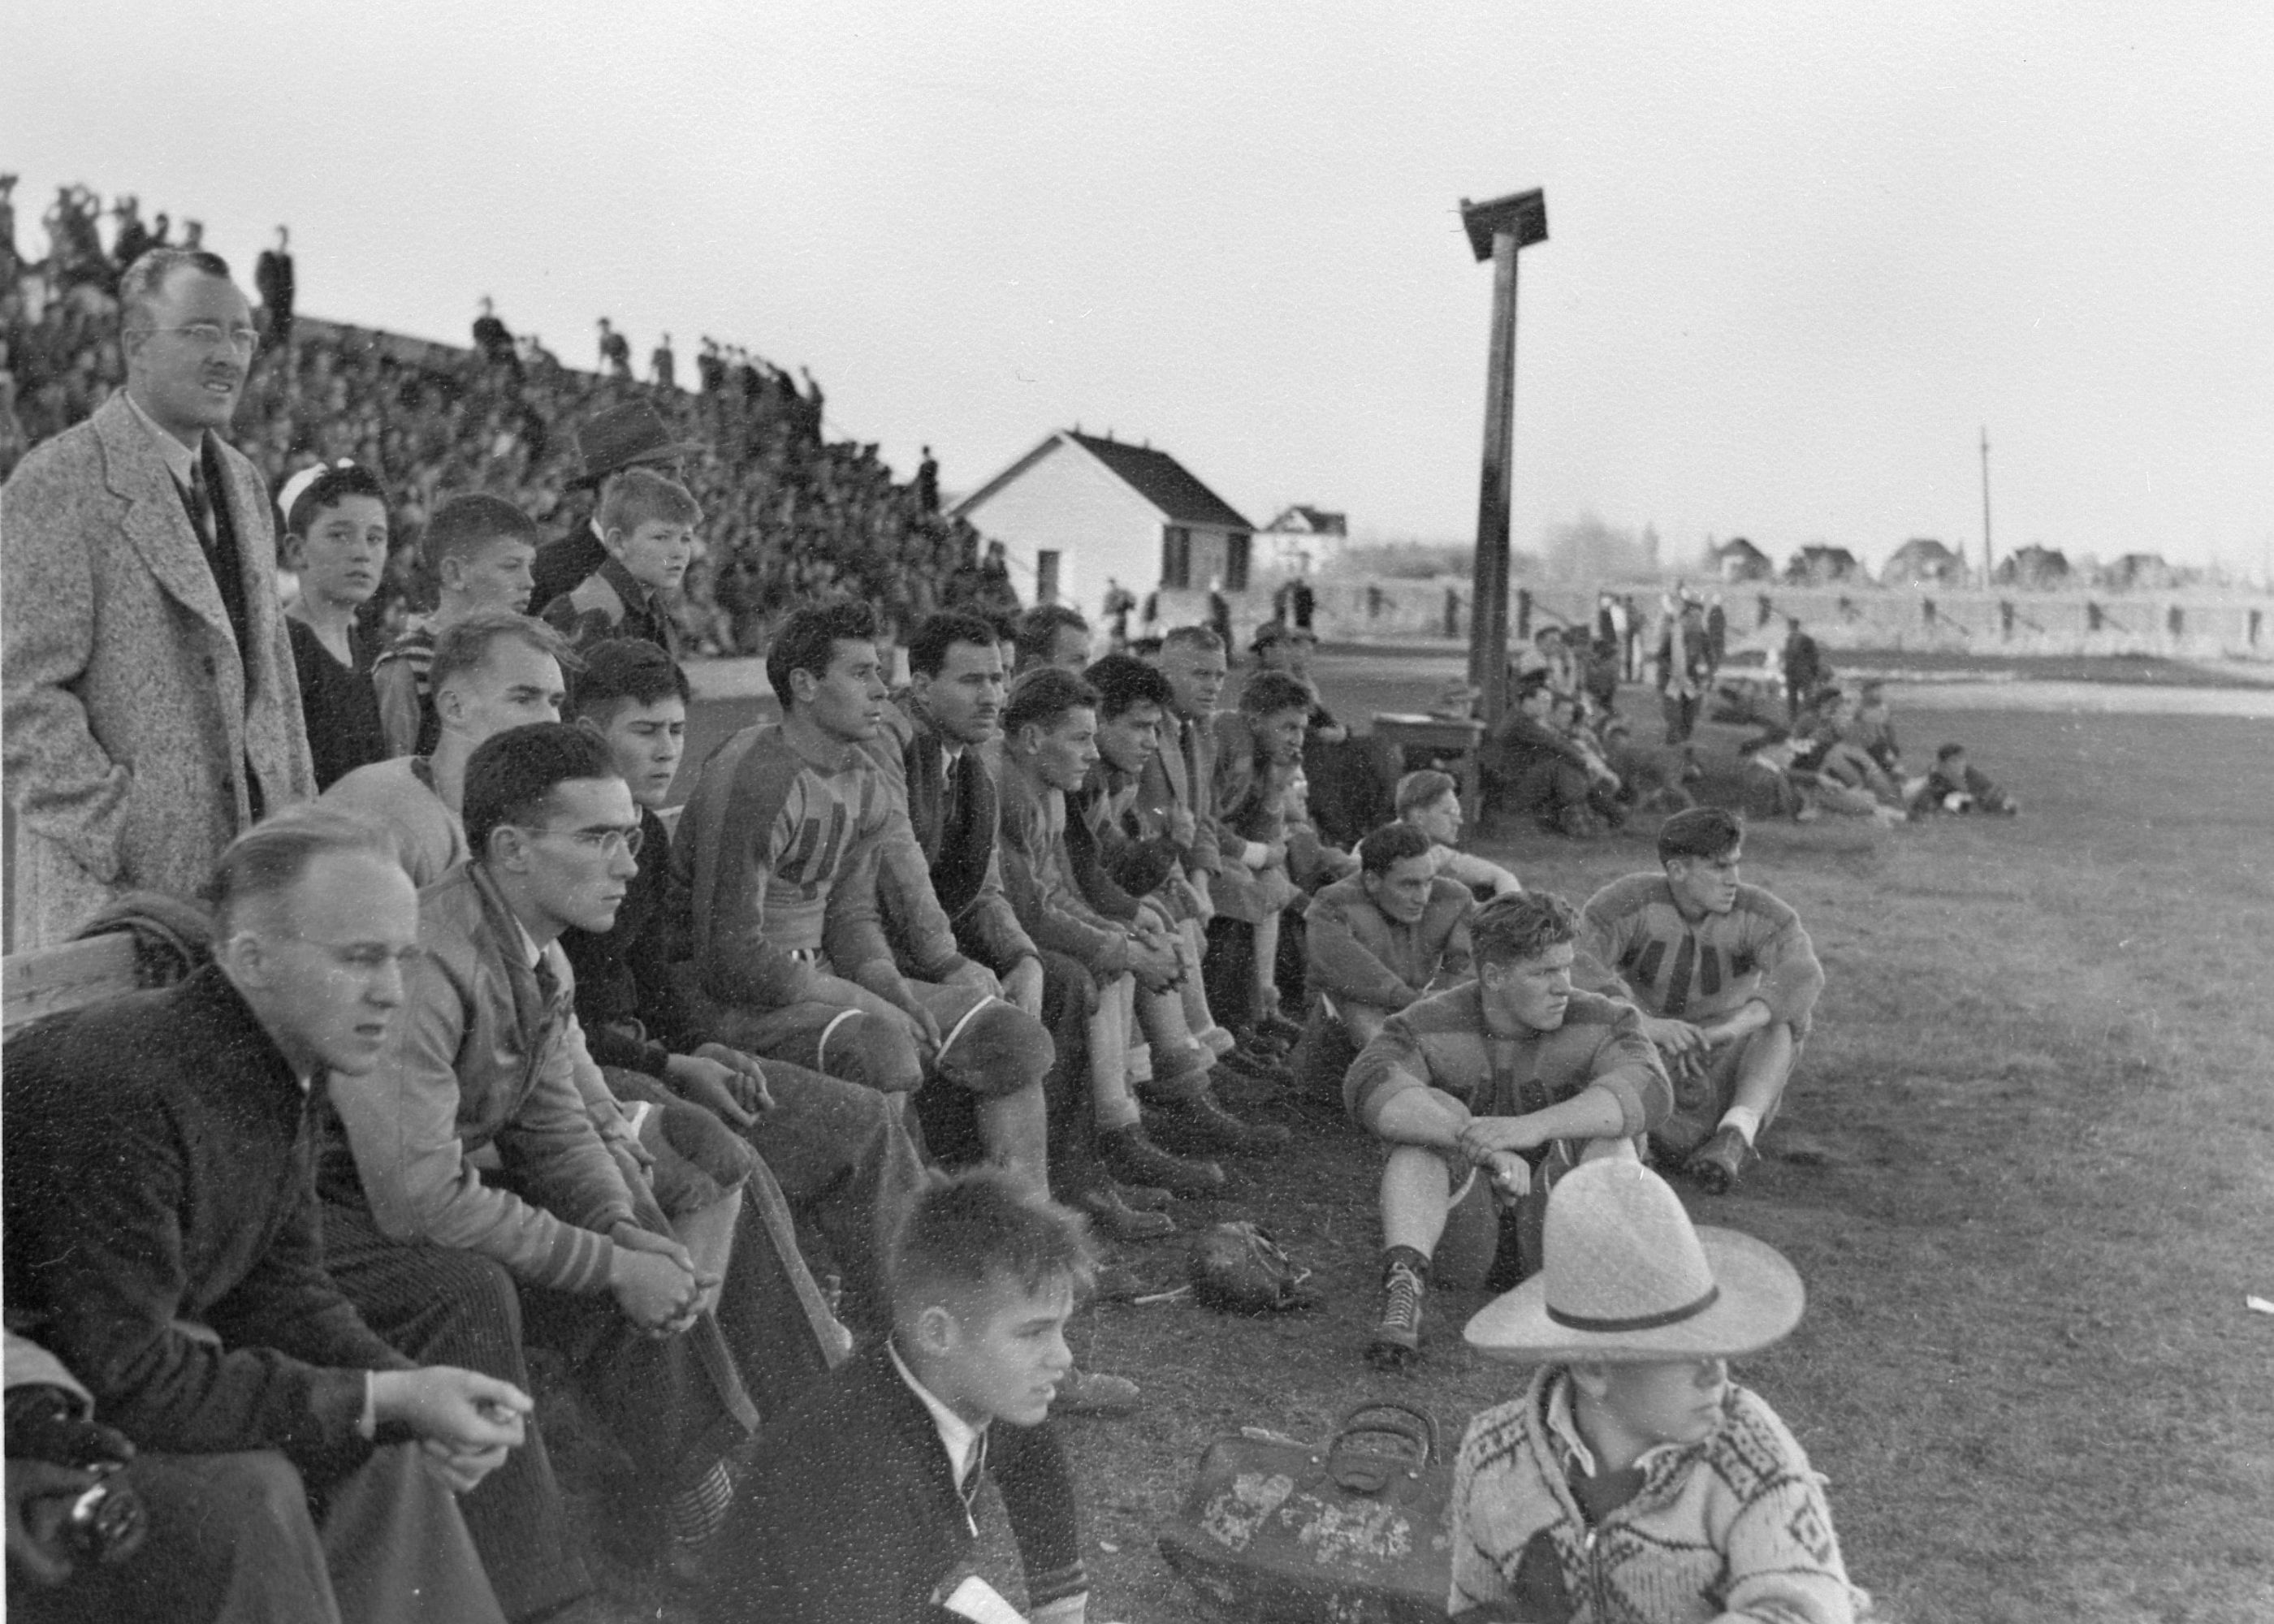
(633, 1088)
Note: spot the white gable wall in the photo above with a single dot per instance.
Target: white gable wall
(1067, 499)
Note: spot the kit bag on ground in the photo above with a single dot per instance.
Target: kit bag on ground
(1277, 1531)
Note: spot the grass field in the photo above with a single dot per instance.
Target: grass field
(2041, 1101)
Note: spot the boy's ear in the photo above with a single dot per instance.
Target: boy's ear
(292, 553)
(935, 1330)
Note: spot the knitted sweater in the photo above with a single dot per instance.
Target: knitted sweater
(1358, 952)
(1443, 1042)
(1645, 948)
(1734, 1528)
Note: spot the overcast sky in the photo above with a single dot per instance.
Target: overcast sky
(1799, 254)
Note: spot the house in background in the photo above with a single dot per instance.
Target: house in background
(1819, 565)
(2143, 572)
(2035, 567)
(1303, 540)
(1924, 561)
(1737, 560)
(1079, 510)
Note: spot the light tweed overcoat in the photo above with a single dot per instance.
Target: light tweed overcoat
(130, 716)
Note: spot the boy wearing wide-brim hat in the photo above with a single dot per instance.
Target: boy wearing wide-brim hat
(1633, 1480)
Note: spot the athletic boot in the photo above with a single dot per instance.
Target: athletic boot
(1396, 1344)
(1272, 1024)
(1198, 1124)
(1132, 1158)
(1721, 1161)
(1116, 1219)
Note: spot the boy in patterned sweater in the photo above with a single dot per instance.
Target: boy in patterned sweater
(1726, 979)
(1633, 1482)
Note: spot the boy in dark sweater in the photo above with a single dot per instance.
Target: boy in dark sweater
(1957, 786)
(862, 1508)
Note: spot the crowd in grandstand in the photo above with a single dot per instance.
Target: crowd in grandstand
(791, 512)
(473, 1046)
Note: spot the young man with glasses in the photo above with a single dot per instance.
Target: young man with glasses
(152, 711)
(485, 1132)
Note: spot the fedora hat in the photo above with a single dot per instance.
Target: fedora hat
(625, 435)
(1628, 1279)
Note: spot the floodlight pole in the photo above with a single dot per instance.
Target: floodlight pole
(1985, 505)
(1497, 231)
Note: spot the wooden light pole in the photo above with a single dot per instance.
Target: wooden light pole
(1497, 230)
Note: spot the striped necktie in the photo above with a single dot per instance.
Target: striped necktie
(199, 501)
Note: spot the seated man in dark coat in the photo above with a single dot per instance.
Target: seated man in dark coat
(162, 1235)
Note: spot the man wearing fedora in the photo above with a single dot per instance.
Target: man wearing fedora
(631, 434)
(1516, 1075)
(1633, 1479)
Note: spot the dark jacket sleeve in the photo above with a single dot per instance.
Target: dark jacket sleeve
(1043, 1507)
(113, 1265)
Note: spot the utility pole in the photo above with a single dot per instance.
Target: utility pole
(1496, 231)
(1985, 504)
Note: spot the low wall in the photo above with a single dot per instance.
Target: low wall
(2203, 624)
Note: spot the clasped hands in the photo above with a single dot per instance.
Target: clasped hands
(655, 1282)
(1496, 1144)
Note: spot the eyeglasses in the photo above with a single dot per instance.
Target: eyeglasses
(213, 335)
(606, 840)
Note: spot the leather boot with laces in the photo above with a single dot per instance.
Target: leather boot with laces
(1397, 1342)
(1134, 1159)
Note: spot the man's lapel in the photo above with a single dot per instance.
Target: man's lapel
(156, 524)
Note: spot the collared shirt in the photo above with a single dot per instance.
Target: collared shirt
(181, 461)
(1563, 1429)
(966, 1444)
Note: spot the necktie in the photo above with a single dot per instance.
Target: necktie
(548, 984)
(201, 514)
(968, 1491)
(951, 813)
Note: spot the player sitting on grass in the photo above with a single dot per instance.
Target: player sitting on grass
(1431, 801)
(1501, 1073)
(862, 1508)
(1376, 942)
(1726, 979)
(1633, 1479)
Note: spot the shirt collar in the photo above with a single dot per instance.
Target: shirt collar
(181, 462)
(957, 1436)
(1564, 1430)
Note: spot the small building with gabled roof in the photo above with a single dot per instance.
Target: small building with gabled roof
(1924, 561)
(1079, 510)
(1738, 560)
(1302, 538)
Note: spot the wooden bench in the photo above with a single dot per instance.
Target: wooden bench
(47, 981)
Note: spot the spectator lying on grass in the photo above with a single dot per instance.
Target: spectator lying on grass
(1957, 786)
(1632, 1472)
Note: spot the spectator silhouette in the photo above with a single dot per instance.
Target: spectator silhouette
(663, 364)
(272, 277)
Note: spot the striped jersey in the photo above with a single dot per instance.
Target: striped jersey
(1645, 948)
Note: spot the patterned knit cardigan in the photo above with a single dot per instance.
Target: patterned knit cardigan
(1734, 1528)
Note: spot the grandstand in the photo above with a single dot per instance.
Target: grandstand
(788, 513)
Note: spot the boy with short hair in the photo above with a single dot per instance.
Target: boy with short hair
(1430, 801)
(647, 522)
(863, 1508)
(1633, 1479)
(1259, 756)
(479, 549)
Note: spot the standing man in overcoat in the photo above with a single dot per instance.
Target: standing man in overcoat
(152, 714)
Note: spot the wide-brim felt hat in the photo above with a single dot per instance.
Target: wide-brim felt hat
(1627, 1278)
(624, 436)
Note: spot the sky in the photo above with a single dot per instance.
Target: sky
(1800, 256)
